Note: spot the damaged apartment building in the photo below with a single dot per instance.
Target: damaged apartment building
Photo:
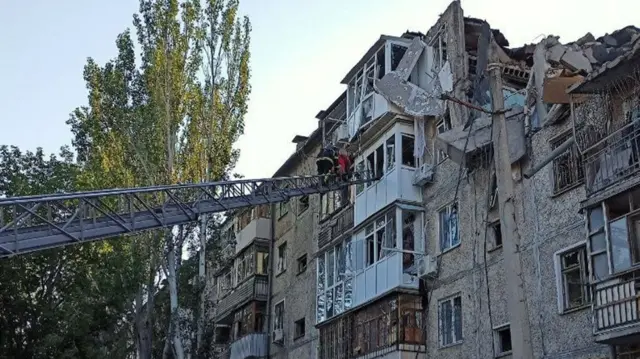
(412, 265)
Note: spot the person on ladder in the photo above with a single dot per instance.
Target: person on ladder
(325, 163)
(344, 165)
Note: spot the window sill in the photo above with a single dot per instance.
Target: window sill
(559, 193)
(282, 216)
(494, 249)
(504, 354)
(298, 337)
(301, 272)
(451, 345)
(280, 272)
(575, 309)
(449, 249)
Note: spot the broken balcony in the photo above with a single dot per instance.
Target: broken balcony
(337, 226)
(462, 145)
(364, 105)
(614, 161)
(390, 158)
(252, 289)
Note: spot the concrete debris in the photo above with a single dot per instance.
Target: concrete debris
(446, 78)
(410, 58)
(588, 37)
(412, 99)
(453, 142)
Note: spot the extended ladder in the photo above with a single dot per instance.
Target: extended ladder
(33, 223)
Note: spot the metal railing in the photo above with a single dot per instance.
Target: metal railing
(613, 159)
(255, 288)
(340, 224)
(616, 304)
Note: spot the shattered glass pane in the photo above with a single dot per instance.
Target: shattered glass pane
(348, 294)
(321, 273)
(320, 316)
(341, 265)
(330, 268)
(339, 303)
(397, 52)
(349, 258)
(330, 307)
(620, 252)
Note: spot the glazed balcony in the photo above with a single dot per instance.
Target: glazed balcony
(254, 288)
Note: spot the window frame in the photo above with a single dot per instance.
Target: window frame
(498, 340)
(415, 159)
(560, 272)
(296, 324)
(448, 208)
(299, 261)
(445, 123)
(303, 207)
(571, 156)
(282, 258)
(455, 341)
(339, 279)
(282, 315)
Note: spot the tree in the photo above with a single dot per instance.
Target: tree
(159, 124)
(63, 303)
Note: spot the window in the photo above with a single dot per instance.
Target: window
(244, 265)
(450, 318)
(379, 162)
(567, 168)
(448, 227)
(278, 318)
(302, 263)
(299, 329)
(262, 262)
(282, 257)
(443, 126)
(391, 152)
(573, 278)
(408, 144)
(303, 204)
(503, 339)
(283, 209)
(334, 284)
(360, 168)
(494, 191)
(380, 238)
(331, 202)
(496, 231)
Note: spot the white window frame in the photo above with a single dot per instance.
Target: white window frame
(453, 320)
(346, 246)
(389, 218)
(448, 208)
(416, 161)
(275, 317)
(560, 283)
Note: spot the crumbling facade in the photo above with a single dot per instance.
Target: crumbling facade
(412, 265)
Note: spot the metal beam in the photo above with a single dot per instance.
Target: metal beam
(56, 220)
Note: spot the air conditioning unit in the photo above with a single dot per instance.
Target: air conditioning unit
(423, 175)
(278, 336)
(427, 267)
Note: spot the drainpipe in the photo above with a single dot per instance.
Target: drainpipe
(272, 243)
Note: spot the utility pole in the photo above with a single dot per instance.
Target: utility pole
(516, 302)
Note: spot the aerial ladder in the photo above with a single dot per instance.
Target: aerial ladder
(34, 223)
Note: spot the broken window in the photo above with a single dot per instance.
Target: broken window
(369, 240)
(448, 227)
(330, 203)
(574, 272)
(303, 204)
(299, 329)
(503, 345)
(278, 318)
(443, 125)
(302, 263)
(334, 282)
(379, 161)
(283, 209)
(262, 262)
(621, 215)
(282, 257)
(397, 52)
(360, 168)
(450, 318)
(496, 231)
(408, 241)
(391, 152)
(567, 168)
(370, 162)
(408, 149)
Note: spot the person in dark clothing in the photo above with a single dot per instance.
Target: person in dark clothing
(326, 162)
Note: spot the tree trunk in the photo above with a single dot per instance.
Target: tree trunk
(143, 342)
(202, 280)
(174, 327)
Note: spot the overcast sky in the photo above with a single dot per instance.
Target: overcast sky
(300, 52)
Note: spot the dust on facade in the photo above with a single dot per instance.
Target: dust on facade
(412, 265)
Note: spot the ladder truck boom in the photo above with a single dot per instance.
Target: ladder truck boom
(34, 223)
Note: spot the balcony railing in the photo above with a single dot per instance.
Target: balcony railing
(252, 345)
(341, 223)
(614, 159)
(255, 288)
(616, 308)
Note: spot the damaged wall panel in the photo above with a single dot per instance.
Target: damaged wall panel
(412, 99)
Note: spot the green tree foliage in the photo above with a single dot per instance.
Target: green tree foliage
(65, 303)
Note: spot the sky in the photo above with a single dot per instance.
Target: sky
(300, 50)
